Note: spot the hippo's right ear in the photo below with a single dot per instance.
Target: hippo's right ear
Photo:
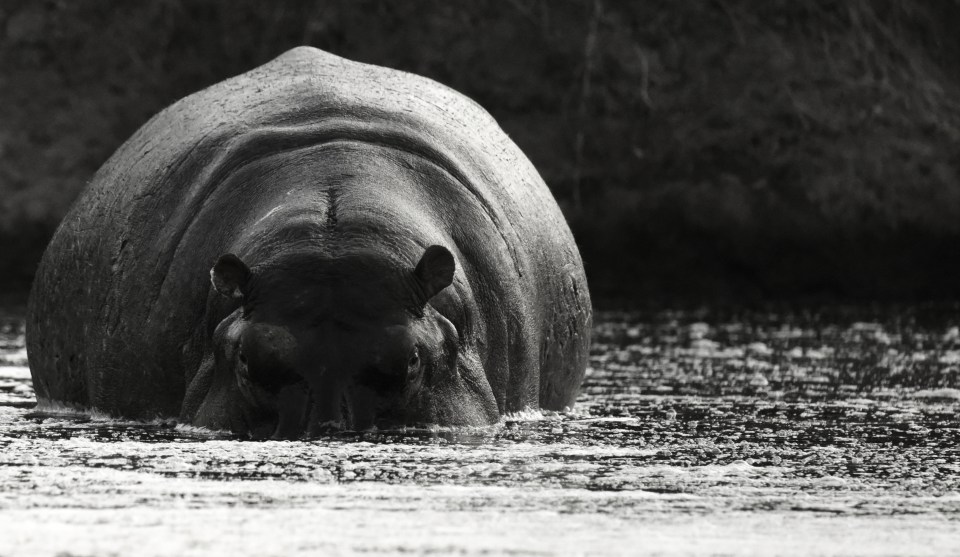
(435, 271)
(230, 276)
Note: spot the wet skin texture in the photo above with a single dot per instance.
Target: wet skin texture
(314, 244)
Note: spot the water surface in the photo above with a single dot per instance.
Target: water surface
(695, 433)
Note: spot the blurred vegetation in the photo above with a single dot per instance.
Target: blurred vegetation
(702, 150)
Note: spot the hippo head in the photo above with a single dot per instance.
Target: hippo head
(348, 342)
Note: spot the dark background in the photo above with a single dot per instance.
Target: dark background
(703, 151)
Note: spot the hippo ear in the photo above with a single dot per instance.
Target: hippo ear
(435, 270)
(230, 276)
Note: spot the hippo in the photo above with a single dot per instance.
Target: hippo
(315, 244)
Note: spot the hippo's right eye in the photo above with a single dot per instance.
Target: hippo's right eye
(243, 358)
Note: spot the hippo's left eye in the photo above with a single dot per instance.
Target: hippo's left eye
(414, 359)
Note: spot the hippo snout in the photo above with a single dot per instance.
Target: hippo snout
(268, 357)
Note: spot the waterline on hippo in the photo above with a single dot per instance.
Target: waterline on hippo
(314, 245)
(55, 414)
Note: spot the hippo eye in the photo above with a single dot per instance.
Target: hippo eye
(414, 359)
(243, 358)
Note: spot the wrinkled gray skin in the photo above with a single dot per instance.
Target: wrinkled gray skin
(314, 244)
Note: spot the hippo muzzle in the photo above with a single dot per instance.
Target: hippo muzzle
(345, 343)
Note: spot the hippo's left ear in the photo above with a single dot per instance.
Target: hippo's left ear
(230, 276)
(435, 270)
